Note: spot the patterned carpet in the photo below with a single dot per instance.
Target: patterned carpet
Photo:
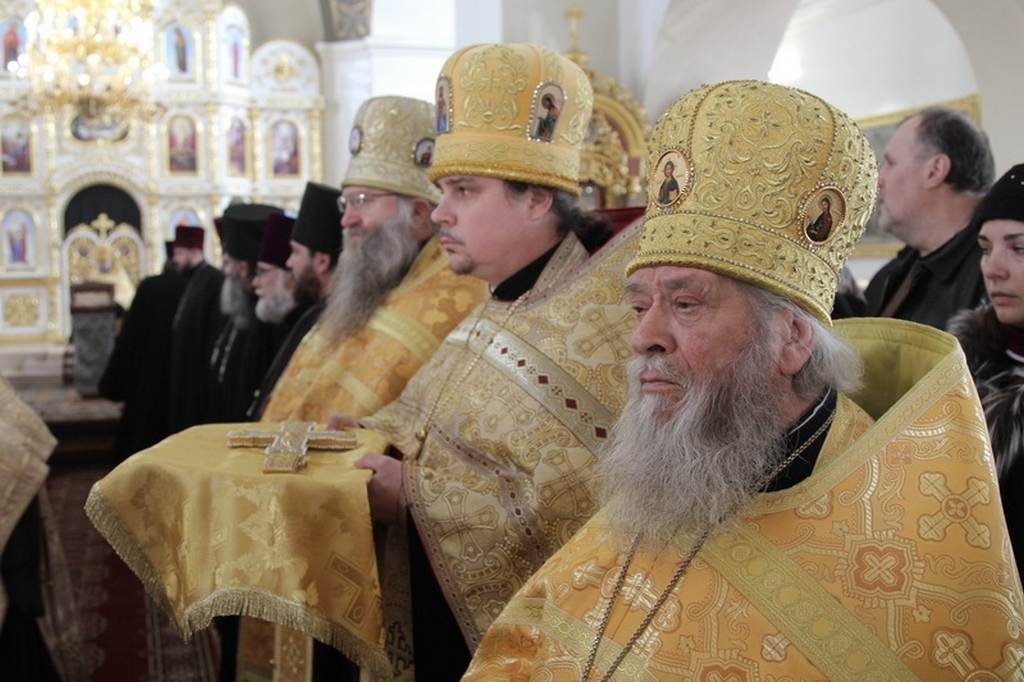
(126, 637)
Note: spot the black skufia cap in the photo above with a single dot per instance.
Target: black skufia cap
(1005, 201)
(243, 229)
(318, 225)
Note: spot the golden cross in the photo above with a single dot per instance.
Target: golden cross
(574, 14)
(285, 449)
(103, 225)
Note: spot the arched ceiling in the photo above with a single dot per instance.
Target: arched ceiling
(298, 20)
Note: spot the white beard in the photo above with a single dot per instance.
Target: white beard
(275, 306)
(697, 461)
(235, 302)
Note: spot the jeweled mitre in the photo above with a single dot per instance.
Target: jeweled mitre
(760, 182)
(516, 111)
(392, 145)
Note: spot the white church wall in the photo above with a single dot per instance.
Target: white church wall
(408, 43)
(545, 23)
(869, 58)
(993, 35)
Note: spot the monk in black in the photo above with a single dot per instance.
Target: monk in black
(140, 362)
(196, 324)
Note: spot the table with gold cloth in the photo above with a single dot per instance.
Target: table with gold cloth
(210, 535)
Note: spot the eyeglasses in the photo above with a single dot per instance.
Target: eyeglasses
(360, 199)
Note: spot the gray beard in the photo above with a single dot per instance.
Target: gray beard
(276, 305)
(697, 462)
(235, 302)
(366, 274)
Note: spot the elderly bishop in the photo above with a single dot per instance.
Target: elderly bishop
(784, 499)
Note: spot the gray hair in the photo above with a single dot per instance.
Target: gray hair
(833, 363)
(941, 130)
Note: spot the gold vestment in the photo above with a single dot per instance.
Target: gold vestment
(367, 370)
(891, 561)
(25, 446)
(209, 534)
(514, 405)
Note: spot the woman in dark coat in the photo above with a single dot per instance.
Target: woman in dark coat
(992, 337)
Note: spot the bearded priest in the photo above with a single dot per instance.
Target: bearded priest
(784, 499)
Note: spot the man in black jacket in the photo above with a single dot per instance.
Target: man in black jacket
(936, 168)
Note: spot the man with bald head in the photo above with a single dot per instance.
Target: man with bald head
(767, 514)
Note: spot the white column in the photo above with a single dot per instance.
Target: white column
(347, 73)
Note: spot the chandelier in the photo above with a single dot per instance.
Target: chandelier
(93, 55)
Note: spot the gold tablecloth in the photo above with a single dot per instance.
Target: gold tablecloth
(210, 535)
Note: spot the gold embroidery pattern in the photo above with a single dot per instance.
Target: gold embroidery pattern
(831, 578)
(506, 473)
(758, 152)
(807, 614)
(406, 330)
(369, 369)
(391, 129)
(493, 119)
(296, 550)
(954, 509)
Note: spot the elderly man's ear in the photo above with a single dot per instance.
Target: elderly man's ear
(797, 343)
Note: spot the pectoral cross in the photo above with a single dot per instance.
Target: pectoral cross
(285, 449)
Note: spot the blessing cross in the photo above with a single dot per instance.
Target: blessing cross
(285, 449)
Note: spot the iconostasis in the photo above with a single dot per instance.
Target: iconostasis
(82, 197)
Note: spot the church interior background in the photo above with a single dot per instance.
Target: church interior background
(253, 99)
(249, 100)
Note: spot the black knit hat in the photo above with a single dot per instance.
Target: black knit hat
(1005, 201)
(243, 230)
(318, 225)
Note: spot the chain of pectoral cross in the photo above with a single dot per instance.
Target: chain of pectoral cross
(679, 572)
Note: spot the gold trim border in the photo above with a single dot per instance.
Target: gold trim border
(799, 606)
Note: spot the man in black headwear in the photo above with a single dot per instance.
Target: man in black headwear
(140, 360)
(246, 345)
(315, 245)
(197, 321)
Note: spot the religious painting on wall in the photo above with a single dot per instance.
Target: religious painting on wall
(106, 127)
(284, 148)
(181, 145)
(547, 108)
(14, 37)
(15, 146)
(234, 53)
(180, 52)
(18, 231)
(237, 134)
(182, 217)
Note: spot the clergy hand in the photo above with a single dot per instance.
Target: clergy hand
(385, 488)
(342, 421)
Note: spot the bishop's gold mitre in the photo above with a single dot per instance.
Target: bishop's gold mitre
(392, 145)
(763, 183)
(516, 111)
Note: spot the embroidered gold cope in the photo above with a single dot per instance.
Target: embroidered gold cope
(25, 446)
(367, 370)
(209, 534)
(892, 561)
(506, 472)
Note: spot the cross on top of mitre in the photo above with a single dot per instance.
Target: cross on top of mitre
(285, 448)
